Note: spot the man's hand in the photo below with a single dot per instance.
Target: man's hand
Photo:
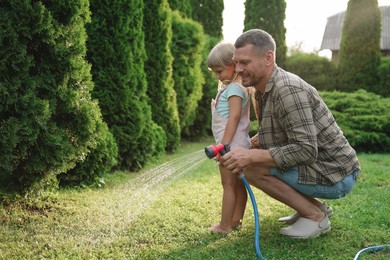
(236, 160)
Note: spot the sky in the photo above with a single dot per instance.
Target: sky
(305, 21)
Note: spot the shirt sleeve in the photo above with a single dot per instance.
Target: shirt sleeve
(235, 89)
(294, 111)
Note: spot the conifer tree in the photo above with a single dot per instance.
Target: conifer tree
(49, 122)
(360, 46)
(184, 7)
(268, 16)
(209, 14)
(202, 123)
(116, 51)
(187, 47)
(157, 26)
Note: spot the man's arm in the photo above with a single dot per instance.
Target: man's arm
(295, 116)
(238, 158)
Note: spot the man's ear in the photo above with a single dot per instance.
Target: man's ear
(270, 57)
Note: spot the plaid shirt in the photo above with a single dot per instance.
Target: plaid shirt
(299, 130)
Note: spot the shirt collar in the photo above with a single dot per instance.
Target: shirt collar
(271, 81)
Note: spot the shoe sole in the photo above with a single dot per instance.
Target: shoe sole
(323, 231)
(329, 214)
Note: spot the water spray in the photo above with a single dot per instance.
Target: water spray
(212, 151)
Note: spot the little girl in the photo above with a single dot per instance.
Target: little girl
(230, 125)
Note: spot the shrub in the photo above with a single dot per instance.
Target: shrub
(97, 163)
(384, 77)
(202, 123)
(157, 26)
(253, 128)
(364, 118)
(116, 51)
(48, 120)
(317, 71)
(187, 47)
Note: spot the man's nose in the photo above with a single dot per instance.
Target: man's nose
(238, 68)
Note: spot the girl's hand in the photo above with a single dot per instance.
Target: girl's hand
(255, 142)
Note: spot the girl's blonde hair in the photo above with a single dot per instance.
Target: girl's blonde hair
(222, 56)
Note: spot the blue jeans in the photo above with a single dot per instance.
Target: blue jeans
(335, 191)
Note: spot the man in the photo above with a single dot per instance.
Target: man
(302, 154)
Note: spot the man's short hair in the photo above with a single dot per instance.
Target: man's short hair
(260, 39)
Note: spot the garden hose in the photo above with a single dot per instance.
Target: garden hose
(212, 151)
(372, 248)
(257, 221)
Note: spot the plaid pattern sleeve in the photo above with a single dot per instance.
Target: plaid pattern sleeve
(299, 131)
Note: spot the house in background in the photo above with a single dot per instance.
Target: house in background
(334, 26)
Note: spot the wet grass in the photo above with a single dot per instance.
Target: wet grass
(137, 217)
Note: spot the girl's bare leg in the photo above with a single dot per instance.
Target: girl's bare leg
(242, 198)
(229, 201)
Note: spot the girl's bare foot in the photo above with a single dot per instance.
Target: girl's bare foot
(218, 229)
(236, 225)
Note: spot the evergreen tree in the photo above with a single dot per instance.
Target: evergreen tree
(268, 16)
(116, 51)
(202, 122)
(360, 46)
(48, 120)
(157, 27)
(209, 14)
(384, 77)
(187, 47)
(184, 7)
(100, 161)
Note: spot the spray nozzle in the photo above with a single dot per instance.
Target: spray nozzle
(212, 150)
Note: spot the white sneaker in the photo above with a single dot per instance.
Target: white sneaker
(294, 217)
(305, 228)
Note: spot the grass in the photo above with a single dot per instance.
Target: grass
(141, 218)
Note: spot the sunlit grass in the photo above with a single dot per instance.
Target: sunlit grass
(170, 220)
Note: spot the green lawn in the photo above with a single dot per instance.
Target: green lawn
(163, 212)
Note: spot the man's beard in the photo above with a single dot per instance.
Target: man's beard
(247, 83)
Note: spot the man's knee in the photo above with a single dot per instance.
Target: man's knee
(256, 174)
(256, 170)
